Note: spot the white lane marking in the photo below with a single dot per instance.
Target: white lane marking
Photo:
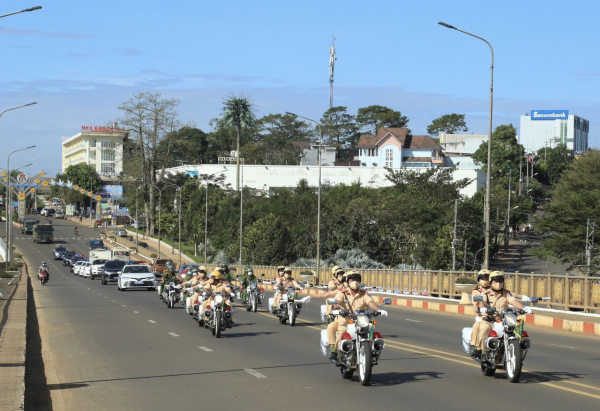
(105, 297)
(414, 321)
(113, 301)
(205, 349)
(174, 335)
(123, 305)
(151, 321)
(255, 373)
(562, 346)
(137, 312)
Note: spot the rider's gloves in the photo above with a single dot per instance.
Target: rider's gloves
(525, 298)
(232, 295)
(383, 312)
(528, 310)
(483, 310)
(305, 299)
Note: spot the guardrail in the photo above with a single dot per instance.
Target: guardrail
(568, 292)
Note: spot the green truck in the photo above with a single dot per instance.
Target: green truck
(43, 233)
(27, 226)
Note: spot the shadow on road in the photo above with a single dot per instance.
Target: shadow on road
(37, 395)
(396, 378)
(533, 377)
(236, 335)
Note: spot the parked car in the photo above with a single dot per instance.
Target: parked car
(112, 270)
(143, 245)
(121, 232)
(136, 276)
(58, 252)
(59, 214)
(159, 265)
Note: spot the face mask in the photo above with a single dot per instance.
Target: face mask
(354, 285)
(497, 286)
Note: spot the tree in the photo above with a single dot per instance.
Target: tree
(82, 175)
(239, 113)
(150, 121)
(338, 125)
(370, 118)
(559, 159)
(186, 145)
(575, 199)
(448, 123)
(506, 151)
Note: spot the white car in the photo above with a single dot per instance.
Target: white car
(77, 266)
(97, 268)
(84, 270)
(136, 276)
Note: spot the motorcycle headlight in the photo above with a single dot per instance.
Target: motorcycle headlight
(362, 321)
(218, 299)
(510, 320)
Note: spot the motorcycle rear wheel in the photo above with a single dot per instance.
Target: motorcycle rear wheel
(514, 361)
(365, 363)
(346, 373)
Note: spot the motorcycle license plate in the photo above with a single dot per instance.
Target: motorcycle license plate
(139, 282)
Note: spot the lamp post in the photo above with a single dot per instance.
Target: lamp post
(489, 159)
(137, 222)
(9, 209)
(206, 211)
(160, 210)
(22, 11)
(318, 195)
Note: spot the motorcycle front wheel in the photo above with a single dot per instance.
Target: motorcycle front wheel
(172, 302)
(254, 304)
(217, 328)
(292, 314)
(514, 361)
(365, 362)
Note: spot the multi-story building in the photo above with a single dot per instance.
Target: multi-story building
(100, 147)
(459, 148)
(548, 128)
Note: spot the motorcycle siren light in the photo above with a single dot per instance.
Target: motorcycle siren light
(227, 308)
(346, 336)
(351, 321)
(262, 290)
(374, 322)
(493, 334)
(377, 334)
(525, 334)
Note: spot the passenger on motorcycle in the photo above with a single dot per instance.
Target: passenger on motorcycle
(483, 279)
(217, 285)
(497, 298)
(197, 281)
(282, 284)
(351, 298)
(44, 267)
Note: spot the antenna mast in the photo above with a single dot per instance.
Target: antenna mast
(332, 60)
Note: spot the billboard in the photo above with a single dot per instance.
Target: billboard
(111, 191)
(549, 114)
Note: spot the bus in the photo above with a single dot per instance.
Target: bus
(43, 233)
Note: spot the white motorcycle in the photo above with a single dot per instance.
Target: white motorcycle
(507, 343)
(289, 305)
(360, 346)
(171, 294)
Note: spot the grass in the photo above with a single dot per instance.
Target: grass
(187, 249)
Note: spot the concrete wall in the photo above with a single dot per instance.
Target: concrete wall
(270, 177)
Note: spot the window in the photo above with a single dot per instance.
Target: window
(389, 158)
(108, 168)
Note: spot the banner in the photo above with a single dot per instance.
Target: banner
(98, 210)
(21, 208)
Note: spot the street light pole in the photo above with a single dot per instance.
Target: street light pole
(9, 227)
(318, 195)
(137, 222)
(22, 11)
(489, 156)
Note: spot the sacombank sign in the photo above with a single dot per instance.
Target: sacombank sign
(549, 114)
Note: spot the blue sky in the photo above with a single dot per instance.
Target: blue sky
(80, 60)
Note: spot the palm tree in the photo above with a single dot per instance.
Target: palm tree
(239, 113)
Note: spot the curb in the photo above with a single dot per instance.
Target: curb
(578, 327)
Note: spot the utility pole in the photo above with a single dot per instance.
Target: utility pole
(506, 237)
(589, 244)
(521, 173)
(332, 60)
(454, 236)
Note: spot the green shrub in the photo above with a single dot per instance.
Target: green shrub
(465, 280)
(153, 255)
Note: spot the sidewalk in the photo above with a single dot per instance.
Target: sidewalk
(13, 321)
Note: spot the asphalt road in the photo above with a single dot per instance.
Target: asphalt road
(111, 350)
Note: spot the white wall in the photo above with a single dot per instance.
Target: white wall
(269, 177)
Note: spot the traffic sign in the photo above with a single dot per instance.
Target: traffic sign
(21, 178)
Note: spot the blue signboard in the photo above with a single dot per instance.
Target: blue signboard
(549, 114)
(193, 173)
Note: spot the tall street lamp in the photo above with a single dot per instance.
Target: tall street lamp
(22, 11)
(489, 159)
(9, 227)
(318, 195)
(160, 210)
(137, 222)
(206, 211)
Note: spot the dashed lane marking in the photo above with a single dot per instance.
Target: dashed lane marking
(205, 349)
(414, 321)
(174, 335)
(137, 312)
(150, 321)
(255, 373)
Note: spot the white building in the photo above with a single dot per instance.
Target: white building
(548, 128)
(270, 177)
(394, 147)
(459, 148)
(100, 147)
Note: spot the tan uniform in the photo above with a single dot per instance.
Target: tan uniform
(221, 288)
(197, 282)
(475, 333)
(285, 283)
(333, 287)
(358, 301)
(498, 302)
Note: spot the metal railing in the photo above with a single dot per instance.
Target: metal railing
(567, 292)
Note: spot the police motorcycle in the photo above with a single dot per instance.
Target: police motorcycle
(360, 346)
(507, 343)
(254, 296)
(289, 304)
(218, 313)
(186, 294)
(171, 294)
